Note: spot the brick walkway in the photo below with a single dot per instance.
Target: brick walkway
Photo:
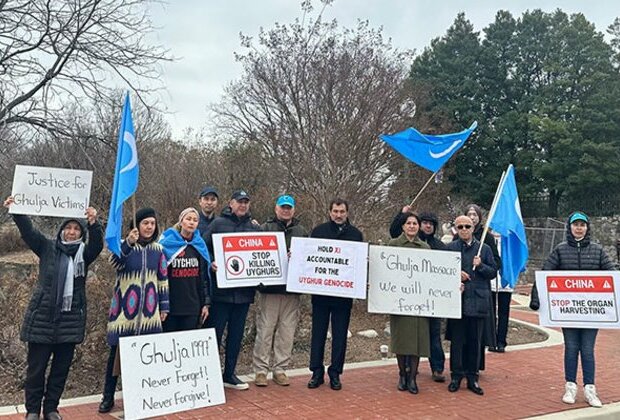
(517, 384)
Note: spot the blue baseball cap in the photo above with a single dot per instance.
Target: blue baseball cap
(285, 200)
(578, 216)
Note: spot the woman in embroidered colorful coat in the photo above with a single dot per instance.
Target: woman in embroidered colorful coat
(140, 300)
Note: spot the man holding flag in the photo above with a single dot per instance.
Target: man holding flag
(125, 179)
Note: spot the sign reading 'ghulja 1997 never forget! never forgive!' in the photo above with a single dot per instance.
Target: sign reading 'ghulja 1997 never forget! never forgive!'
(54, 192)
(172, 372)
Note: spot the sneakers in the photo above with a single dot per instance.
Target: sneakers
(281, 379)
(235, 383)
(589, 392)
(261, 379)
(570, 393)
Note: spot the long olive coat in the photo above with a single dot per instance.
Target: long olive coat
(409, 334)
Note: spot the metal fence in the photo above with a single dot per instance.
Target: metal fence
(593, 204)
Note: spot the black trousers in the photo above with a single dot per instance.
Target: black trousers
(340, 317)
(465, 347)
(37, 391)
(110, 380)
(233, 315)
(438, 358)
(503, 315)
(175, 323)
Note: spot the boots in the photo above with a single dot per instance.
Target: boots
(414, 361)
(403, 372)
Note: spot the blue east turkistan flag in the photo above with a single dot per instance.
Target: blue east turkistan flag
(125, 179)
(508, 222)
(425, 150)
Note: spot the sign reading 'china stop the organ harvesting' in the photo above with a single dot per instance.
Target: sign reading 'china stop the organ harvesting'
(249, 259)
(587, 299)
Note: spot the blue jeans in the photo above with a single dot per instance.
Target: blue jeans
(438, 357)
(576, 341)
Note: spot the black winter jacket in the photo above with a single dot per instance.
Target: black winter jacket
(228, 222)
(476, 296)
(204, 222)
(574, 255)
(343, 232)
(294, 229)
(44, 323)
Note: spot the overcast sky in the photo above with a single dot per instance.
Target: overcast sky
(203, 34)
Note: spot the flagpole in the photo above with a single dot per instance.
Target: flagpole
(133, 208)
(423, 188)
(491, 212)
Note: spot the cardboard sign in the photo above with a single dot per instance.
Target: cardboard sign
(54, 192)
(250, 258)
(417, 282)
(172, 372)
(580, 299)
(328, 267)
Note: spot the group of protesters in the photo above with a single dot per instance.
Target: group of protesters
(167, 283)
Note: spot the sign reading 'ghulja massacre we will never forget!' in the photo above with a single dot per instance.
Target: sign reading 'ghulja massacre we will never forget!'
(415, 282)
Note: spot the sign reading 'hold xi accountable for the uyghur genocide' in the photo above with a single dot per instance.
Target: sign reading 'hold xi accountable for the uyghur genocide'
(328, 267)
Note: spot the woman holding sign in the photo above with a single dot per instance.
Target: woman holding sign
(140, 298)
(575, 254)
(55, 320)
(188, 273)
(409, 334)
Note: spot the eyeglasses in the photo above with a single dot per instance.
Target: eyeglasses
(461, 227)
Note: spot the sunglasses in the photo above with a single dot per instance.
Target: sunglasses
(461, 227)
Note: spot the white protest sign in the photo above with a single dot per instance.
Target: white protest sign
(579, 299)
(54, 192)
(250, 258)
(328, 267)
(172, 372)
(409, 281)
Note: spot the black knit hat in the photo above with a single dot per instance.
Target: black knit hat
(144, 213)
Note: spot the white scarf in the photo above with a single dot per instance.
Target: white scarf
(74, 269)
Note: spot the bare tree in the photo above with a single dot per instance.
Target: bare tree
(57, 52)
(315, 97)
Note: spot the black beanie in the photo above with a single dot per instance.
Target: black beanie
(142, 214)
